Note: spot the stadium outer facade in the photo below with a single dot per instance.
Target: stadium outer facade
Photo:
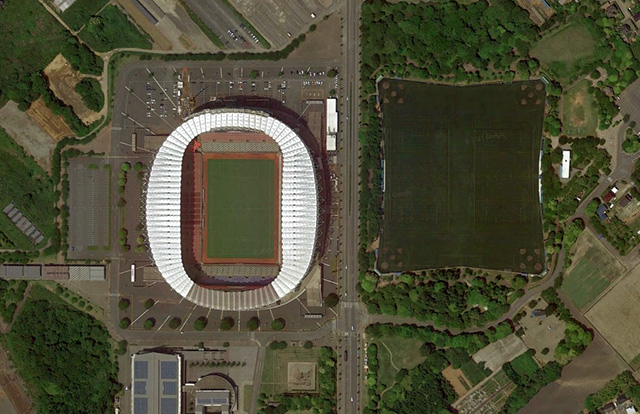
(299, 209)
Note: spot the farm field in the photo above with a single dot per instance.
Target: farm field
(111, 29)
(274, 374)
(241, 211)
(461, 176)
(614, 317)
(562, 51)
(593, 270)
(28, 187)
(395, 353)
(487, 398)
(579, 111)
(585, 375)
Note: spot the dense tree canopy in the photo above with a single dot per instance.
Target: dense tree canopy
(65, 356)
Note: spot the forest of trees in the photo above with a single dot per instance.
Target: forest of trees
(448, 297)
(91, 93)
(66, 358)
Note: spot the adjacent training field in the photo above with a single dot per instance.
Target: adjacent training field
(615, 317)
(593, 270)
(563, 50)
(579, 111)
(241, 210)
(461, 176)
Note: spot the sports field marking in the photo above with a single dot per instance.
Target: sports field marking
(242, 208)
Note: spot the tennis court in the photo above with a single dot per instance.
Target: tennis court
(241, 208)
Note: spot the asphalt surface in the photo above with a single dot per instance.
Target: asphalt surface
(220, 19)
(349, 323)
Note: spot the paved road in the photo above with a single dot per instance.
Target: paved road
(349, 323)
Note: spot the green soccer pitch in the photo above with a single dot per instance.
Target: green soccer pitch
(240, 210)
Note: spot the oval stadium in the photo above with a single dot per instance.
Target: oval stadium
(231, 209)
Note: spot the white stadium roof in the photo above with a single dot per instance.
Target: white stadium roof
(299, 209)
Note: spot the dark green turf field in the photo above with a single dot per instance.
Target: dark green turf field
(240, 209)
(461, 176)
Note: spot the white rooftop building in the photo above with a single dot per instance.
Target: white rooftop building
(298, 209)
(565, 167)
(332, 124)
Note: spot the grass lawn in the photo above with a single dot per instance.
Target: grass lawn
(81, 11)
(275, 370)
(248, 394)
(594, 269)
(28, 187)
(404, 352)
(579, 111)
(240, 222)
(564, 50)
(111, 29)
(461, 176)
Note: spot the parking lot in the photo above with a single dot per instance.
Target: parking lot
(281, 20)
(223, 22)
(155, 101)
(88, 208)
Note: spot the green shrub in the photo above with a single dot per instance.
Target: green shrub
(125, 323)
(200, 323)
(278, 324)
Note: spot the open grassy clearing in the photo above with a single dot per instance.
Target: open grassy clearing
(593, 271)
(274, 372)
(111, 29)
(28, 187)
(397, 352)
(81, 11)
(240, 208)
(461, 170)
(563, 51)
(579, 111)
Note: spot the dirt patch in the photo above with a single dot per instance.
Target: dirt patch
(456, 378)
(62, 81)
(301, 376)
(13, 387)
(584, 375)
(323, 43)
(35, 141)
(54, 125)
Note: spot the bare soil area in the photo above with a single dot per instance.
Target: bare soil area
(27, 133)
(456, 378)
(584, 375)
(324, 42)
(62, 81)
(54, 125)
